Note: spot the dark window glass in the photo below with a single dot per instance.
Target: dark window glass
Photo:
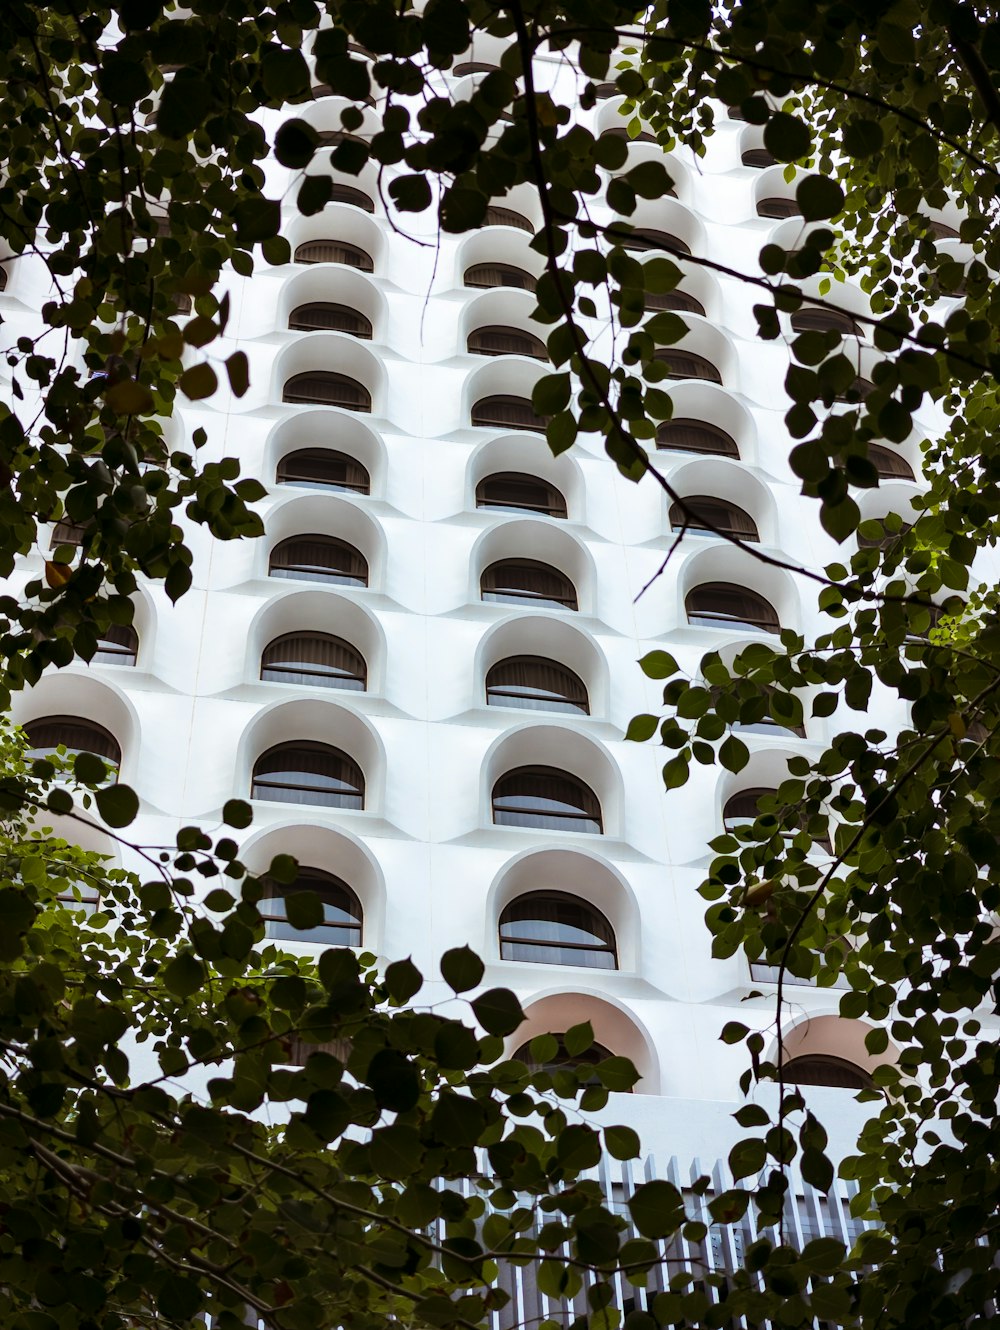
(308, 773)
(823, 1069)
(695, 436)
(505, 412)
(3, 279)
(687, 365)
(554, 928)
(322, 468)
(735, 112)
(730, 606)
(888, 463)
(514, 581)
(324, 387)
(342, 917)
(73, 734)
(323, 314)
(181, 302)
(741, 809)
(319, 558)
(757, 157)
(473, 67)
(547, 799)
(500, 274)
(118, 646)
(777, 208)
(679, 302)
(67, 533)
(942, 231)
(330, 138)
(825, 320)
(710, 515)
(602, 91)
(507, 217)
(564, 1060)
(496, 340)
(645, 238)
(512, 492)
(621, 132)
(533, 683)
(334, 251)
(350, 194)
(300, 1050)
(315, 659)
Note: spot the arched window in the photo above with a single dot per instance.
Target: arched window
(621, 132)
(181, 302)
(342, 915)
(513, 581)
(119, 645)
(678, 302)
(547, 799)
(349, 194)
(513, 492)
(507, 217)
(331, 138)
(325, 388)
(646, 238)
(319, 558)
(564, 1060)
(778, 208)
(73, 734)
(857, 392)
(554, 928)
(709, 515)
(687, 365)
(500, 274)
(888, 463)
(67, 533)
(811, 319)
(316, 659)
(602, 91)
(695, 436)
(497, 340)
(505, 412)
(321, 469)
(334, 251)
(730, 606)
(473, 67)
(824, 1069)
(758, 158)
(741, 809)
(308, 773)
(323, 314)
(942, 231)
(533, 683)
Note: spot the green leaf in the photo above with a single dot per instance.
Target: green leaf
(304, 910)
(786, 137)
(819, 197)
(551, 394)
(284, 74)
(179, 1300)
(816, 1169)
(498, 1011)
(733, 753)
(578, 1038)
(641, 728)
(129, 398)
(295, 144)
(622, 1142)
(676, 773)
(658, 665)
(237, 813)
(403, 980)
(184, 104)
(90, 769)
(315, 193)
(733, 1032)
(394, 1081)
(184, 975)
(238, 369)
(256, 219)
(462, 969)
(746, 1158)
(117, 805)
(411, 193)
(657, 1209)
(198, 382)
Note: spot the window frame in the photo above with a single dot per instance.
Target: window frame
(352, 799)
(308, 573)
(554, 505)
(510, 596)
(607, 947)
(564, 704)
(537, 819)
(356, 683)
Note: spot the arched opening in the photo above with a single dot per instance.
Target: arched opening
(304, 772)
(342, 914)
(497, 340)
(118, 645)
(811, 319)
(499, 274)
(942, 231)
(778, 208)
(319, 558)
(473, 67)
(825, 1069)
(889, 464)
(730, 606)
(326, 388)
(555, 928)
(350, 194)
(687, 365)
(644, 238)
(322, 469)
(758, 158)
(324, 315)
(515, 492)
(534, 683)
(709, 516)
(621, 132)
(677, 301)
(507, 217)
(546, 799)
(75, 735)
(696, 436)
(502, 411)
(563, 1060)
(513, 581)
(315, 659)
(334, 251)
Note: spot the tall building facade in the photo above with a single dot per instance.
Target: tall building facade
(422, 675)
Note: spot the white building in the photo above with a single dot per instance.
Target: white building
(387, 515)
